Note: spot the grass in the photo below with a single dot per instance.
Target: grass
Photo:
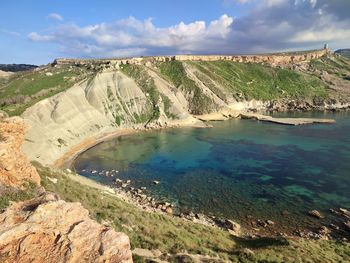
(262, 82)
(339, 66)
(24, 89)
(173, 235)
(167, 105)
(8, 194)
(146, 83)
(175, 72)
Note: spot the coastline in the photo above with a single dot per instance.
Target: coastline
(67, 159)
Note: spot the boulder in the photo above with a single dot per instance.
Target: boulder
(233, 227)
(316, 214)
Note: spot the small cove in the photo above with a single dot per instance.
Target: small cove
(239, 169)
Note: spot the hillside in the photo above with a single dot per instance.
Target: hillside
(344, 52)
(16, 67)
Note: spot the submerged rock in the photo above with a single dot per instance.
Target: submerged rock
(316, 214)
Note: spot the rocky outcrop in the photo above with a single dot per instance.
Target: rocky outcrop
(46, 229)
(15, 169)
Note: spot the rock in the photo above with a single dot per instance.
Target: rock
(145, 253)
(285, 213)
(169, 210)
(69, 170)
(93, 171)
(347, 225)
(48, 74)
(333, 226)
(15, 169)
(324, 230)
(270, 222)
(53, 180)
(246, 252)
(233, 227)
(156, 182)
(261, 223)
(316, 214)
(344, 212)
(33, 231)
(117, 180)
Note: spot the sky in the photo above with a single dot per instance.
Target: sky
(38, 31)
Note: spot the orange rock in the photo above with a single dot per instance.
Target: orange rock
(15, 169)
(46, 229)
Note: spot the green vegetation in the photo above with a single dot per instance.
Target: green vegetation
(263, 82)
(167, 105)
(339, 66)
(8, 194)
(24, 89)
(175, 72)
(146, 83)
(173, 235)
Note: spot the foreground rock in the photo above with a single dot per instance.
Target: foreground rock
(46, 229)
(15, 169)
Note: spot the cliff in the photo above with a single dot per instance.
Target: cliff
(281, 59)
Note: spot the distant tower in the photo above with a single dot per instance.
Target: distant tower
(325, 46)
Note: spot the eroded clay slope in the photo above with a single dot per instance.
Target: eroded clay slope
(108, 103)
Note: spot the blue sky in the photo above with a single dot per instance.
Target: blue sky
(38, 31)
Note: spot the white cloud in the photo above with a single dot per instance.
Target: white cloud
(132, 36)
(36, 37)
(9, 32)
(269, 26)
(55, 16)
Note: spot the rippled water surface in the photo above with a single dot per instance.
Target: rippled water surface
(238, 168)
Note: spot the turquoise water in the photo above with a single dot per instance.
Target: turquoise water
(240, 169)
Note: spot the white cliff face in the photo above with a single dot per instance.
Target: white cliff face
(64, 120)
(108, 103)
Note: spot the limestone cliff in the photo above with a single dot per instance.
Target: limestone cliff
(15, 169)
(47, 229)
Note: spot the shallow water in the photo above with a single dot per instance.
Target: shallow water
(237, 169)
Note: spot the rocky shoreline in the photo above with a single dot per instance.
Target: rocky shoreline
(338, 229)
